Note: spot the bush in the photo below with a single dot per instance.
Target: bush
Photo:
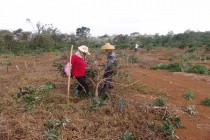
(198, 69)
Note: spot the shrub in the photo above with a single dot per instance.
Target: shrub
(198, 69)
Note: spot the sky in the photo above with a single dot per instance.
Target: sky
(108, 16)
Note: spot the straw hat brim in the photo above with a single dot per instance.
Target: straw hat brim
(108, 46)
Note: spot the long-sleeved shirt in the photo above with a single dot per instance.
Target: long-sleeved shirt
(111, 60)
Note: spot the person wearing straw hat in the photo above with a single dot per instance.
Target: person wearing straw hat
(78, 67)
(110, 68)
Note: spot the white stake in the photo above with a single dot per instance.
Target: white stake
(34, 63)
(17, 68)
(26, 65)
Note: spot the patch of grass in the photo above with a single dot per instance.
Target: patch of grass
(160, 101)
(173, 67)
(189, 95)
(206, 102)
(190, 109)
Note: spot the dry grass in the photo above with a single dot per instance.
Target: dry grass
(106, 122)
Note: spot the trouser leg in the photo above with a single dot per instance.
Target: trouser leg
(107, 83)
(82, 84)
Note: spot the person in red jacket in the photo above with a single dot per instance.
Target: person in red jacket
(78, 67)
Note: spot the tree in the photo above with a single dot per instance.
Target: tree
(83, 31)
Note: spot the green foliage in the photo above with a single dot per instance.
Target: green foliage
(189, 95)
(47, 86)
(83, 31)
(30, 95)
(179, 67)
(168, 128)
(160, 101)
(198, 69)
(177, 123)
(174, 67)
(206, 102)
(128, 136)
(52, 125)
(171, 59)
(26, 90)
(52, 134)
(190, 109)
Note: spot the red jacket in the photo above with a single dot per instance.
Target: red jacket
(78, 66)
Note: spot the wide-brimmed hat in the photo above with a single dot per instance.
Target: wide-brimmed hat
(108, 46)
(84, 49)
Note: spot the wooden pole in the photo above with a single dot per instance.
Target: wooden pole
(69, 77)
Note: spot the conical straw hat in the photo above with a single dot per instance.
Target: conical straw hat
(108, 46)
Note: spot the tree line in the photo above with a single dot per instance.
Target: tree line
(48, 38)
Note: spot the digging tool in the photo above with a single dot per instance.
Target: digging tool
(69, 77)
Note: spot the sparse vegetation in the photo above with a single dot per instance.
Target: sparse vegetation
(190, 109)
(189, 95)
(128, 136)
(206, 102)
(160, 101)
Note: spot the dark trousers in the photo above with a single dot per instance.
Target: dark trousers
(107, 84)
(82, 84)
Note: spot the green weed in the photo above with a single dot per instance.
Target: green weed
(189, 95)
(206, 102)
(190, 109)
(128, 136)
(160, 101)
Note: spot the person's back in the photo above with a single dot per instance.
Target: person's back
(136, 47)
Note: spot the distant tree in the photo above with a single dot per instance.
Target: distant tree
(135, 34)
(18, 34)
(8, 40)
(83, 31)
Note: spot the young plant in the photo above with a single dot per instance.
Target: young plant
(168, 128)
(128, 136)
(190, 109)
(160, 101)
(189, 95)
(52, 134)
(206, 102)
